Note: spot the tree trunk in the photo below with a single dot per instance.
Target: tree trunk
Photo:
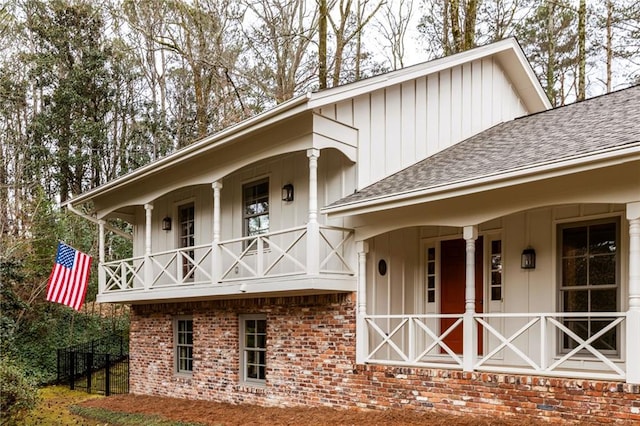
(582, 55)
(322, 45)
(609, 42)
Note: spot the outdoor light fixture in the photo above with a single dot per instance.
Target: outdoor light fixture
(287, 192)
(166, 224)
(528, 258)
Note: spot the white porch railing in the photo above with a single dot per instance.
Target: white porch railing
(283, 253)
(549, 344)
(276, 254)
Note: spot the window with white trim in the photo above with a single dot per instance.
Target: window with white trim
(183, 344)
(431, 275)
(187, 238)
(589, 279)
(253, 348)
(496, 270)
(255, 198)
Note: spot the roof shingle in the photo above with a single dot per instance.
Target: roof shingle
(604, 122)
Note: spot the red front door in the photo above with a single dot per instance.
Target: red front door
(452, 285)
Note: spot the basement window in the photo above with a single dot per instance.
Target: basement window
(253, 349)
(183, 338)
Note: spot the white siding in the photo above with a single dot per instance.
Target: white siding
(336, 178)
(407, 122)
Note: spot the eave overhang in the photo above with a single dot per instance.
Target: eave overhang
(489, 182)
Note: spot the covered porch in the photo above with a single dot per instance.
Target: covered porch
(552, 291)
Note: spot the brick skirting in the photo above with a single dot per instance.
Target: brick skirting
(311, 361)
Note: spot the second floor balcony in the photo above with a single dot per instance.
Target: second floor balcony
(299, 260)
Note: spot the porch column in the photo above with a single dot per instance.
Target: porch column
(216, 255)
(313, 228)
(362, 331)
(101, 273)
(633, 315)
(148, 269)
(470, 328)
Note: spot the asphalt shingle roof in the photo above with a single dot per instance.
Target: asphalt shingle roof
(604, 122)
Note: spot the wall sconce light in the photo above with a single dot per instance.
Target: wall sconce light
(287, 192)
(528, 258)
(166, 224)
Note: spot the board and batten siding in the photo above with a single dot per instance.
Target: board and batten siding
(405, 123)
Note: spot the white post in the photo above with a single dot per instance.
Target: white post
(470, 333)
(362, 332)
(633, 314)
(313, 229)
(216, 253)
(102, 276)
(148, 269)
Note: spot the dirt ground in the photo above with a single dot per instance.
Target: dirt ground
(218, 414)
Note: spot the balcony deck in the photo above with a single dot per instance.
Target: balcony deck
(276, 263)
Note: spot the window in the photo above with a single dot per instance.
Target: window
(589, 279)
(253, 348)
(255, 198)
(186, 218)
(183, 338)
(431, 275)
(496, 270)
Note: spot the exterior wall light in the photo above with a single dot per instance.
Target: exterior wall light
(528, 258)
(287, 192)
(166, 224)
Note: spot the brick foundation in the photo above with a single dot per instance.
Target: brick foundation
(311, 361)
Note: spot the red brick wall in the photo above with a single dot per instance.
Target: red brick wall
(311, 361)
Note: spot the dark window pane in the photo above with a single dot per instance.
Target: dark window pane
(496, 247)
(574, 241)
(262, 326)
(431, 296)
(496, 278)
(602, 238)
(262, 341)
(602, 270)
(496, 293)
(574, 271)
(608, 341)
(252, 372)
(431, 254)
(604, 300)
(576, 301)
(251, 357)
(580, 328)
(431, 282)
(431, 268)
(251, 342)
(250, 326)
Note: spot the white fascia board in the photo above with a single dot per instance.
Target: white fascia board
(576, 164)
(508, 47)
(216, 140)
(236, 290)
(531, 92)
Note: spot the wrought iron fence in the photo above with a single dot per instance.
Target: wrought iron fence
(100, 366)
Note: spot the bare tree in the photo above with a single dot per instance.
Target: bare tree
(392, 26)
(280, 38)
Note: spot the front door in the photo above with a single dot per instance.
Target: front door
(452, 285)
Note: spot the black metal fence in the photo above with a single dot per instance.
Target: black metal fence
(100, 366)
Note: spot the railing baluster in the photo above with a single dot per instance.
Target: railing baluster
(543, 343)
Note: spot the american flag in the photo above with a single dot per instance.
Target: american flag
(69, 277)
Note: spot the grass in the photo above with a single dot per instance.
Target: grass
(124, 419)
(58, 406)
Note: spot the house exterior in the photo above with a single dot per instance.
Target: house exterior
(432, 238)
